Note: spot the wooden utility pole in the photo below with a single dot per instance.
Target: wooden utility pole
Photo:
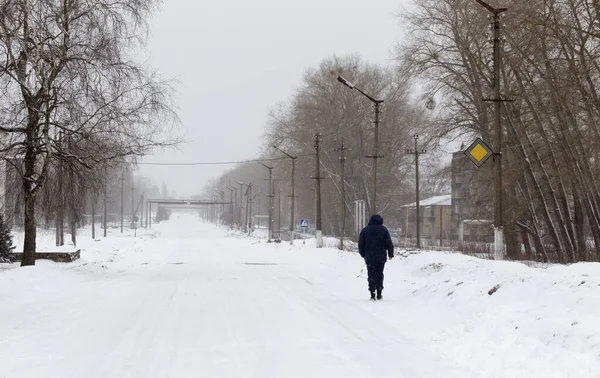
(343, 189)
(416, 152)
(319, 231)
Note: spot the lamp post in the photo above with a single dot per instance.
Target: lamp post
(375, 155)
(292, 224)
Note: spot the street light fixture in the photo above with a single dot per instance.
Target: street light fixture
(375, 155)
(293, 190)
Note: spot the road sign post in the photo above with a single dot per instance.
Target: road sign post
(304, 225)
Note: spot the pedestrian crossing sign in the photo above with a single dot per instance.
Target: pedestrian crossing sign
(304, 223)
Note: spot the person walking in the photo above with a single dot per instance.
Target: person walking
(375, 246)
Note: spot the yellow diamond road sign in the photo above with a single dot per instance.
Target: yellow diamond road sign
(478, 152)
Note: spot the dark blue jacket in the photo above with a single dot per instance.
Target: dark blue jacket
(374, 240)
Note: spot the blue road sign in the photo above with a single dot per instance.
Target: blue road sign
(303, 223)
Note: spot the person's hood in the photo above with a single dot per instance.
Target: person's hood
(376, 219)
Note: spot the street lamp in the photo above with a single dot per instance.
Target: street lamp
(375, 155)
(293, 190)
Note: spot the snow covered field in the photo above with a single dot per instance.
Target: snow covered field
(187, 299)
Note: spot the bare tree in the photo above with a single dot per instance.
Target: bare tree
(551, 71)
(322, 104)
(64, 66)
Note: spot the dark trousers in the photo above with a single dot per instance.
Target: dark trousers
(375, 272)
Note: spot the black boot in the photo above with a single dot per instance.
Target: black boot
(372, 295)
(379, 296)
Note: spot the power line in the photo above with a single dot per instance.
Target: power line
(220, 162)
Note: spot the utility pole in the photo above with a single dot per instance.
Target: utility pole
(270, 195)
(236, 205)
(319, 233)
(241, 217)
(142, 211)
(122, 207)
(292, 221)
(375, 155)
(416, 152)
(230, 207)
(105, 199)
(343, 187)
(222, 216)
(250, 221)
(248, 207)
(72, 209)
(93, 215)
(60, 214)
(132, 207)
(441, 224)
(498, 208)
(279, 216)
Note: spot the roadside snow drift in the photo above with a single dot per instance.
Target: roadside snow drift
(187, 299)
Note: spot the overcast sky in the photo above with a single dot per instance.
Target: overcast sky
(235, 59)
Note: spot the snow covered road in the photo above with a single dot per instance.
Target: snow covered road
(189, 300)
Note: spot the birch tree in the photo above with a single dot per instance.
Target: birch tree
(66, 66)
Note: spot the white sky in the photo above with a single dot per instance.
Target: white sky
(235, 59)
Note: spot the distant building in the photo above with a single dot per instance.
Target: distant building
(434, 214)
(472, 201)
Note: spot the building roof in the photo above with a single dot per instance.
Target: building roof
(444, 200)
